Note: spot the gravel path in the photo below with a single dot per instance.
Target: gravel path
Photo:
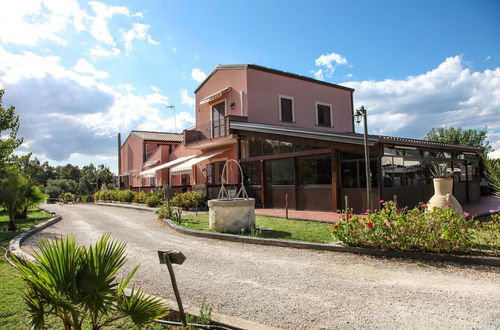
(294, 289)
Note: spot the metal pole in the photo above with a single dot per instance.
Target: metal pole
(119, 159)
(367, 161)
(176, 291)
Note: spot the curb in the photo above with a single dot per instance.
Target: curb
(461, 259)
(15, 243)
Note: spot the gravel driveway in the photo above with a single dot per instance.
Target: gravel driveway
(291, 288)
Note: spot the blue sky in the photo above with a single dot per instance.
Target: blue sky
(78, 72)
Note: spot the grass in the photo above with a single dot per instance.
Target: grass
(272, 227)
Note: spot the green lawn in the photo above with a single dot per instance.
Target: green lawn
(273, 227)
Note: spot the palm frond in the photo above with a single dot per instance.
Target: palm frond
(142, 308)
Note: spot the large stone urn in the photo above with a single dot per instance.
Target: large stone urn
(443, 196)
(231, 216)
(229, 213)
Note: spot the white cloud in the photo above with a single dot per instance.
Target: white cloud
(27, 22)
(154, 89)
(198, 75)
(329, 62)
(83, 66)
(137, 32)
(68, 108)
(103, 13)
(174, 49)
(450, 95)
(99, 51)
(186, 99)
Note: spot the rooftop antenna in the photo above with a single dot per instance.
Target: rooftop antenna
(175, 120)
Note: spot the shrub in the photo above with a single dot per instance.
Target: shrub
(164, 212)
(126, 196)
(439, 230)
(189, 199)
(66, 197)
(140, 197)
(153, 200)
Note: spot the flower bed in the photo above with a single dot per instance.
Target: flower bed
(418, 229)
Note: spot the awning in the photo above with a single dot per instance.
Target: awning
(215, 95)
(152, 171)
(185, 168)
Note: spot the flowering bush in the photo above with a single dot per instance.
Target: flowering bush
(154, 200)
(439, 230)
(189, 199)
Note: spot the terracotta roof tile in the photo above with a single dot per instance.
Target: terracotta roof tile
(158, 136)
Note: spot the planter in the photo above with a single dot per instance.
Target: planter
(443, 196)
(231, 216)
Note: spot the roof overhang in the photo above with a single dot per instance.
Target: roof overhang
(186, 168)
(215, 96)
(303, 133)
(152, 171)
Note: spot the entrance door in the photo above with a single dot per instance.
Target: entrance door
(218, 123)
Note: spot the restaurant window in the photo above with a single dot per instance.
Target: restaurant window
(280, 171)
(251, 173)
(353, 173)
(323, 114)
(214, 172)
(286, 109)
(185, 179)
(257, 147)
(314, 170)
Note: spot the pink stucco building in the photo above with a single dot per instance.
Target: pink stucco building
(294, 137)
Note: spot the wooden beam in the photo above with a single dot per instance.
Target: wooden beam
(335, 181)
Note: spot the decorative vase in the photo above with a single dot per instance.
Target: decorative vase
(443, 196)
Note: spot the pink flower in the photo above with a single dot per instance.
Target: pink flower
(466, 214)
(387, 223)
(381, 201)
(492, 211)
(367, 211)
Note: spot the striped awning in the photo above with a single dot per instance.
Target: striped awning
(185, 168)
(215, 96)
(152, 171)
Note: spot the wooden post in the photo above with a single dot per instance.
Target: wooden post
(263, 183)
(286, 206)
(335, 181)
(346, 201)
(395, 199)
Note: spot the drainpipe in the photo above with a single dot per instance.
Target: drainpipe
(119, 159)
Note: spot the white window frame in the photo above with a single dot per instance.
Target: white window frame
(316, 112)
(293, 106)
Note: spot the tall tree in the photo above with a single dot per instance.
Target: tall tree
(9, 124)
(469, 137)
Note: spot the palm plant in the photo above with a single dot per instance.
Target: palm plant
(79, 285)
(33, 197)
(12, 189)
(440, 170)
(492, 167)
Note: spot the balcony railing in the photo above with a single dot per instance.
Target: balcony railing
(208, 130)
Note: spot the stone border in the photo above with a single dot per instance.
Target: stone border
(456, 258)
(15, 243)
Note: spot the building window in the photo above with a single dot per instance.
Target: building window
(286, 110)
(258, 147)
(251, 173)
(280, 171)
(214, 172)
(353, 173)
(185, 180)
(314, 170)
(324, 114)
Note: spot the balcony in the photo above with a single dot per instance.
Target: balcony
(213, 129)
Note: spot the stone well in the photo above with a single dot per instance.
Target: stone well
(231, 215)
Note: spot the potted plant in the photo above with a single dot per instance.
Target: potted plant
(443, 187)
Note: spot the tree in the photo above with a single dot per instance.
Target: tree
(492, 167)
(56, 187)
(13, 187)
(9, 121)
(33, 197)
(79, 284)
(470, 137)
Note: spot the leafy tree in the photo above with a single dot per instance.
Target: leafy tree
(13, 188)
(9, 122)
(56, 187)
(79, 284)
(68, 171)
(33, 197)
(469, 137)
(492, 167)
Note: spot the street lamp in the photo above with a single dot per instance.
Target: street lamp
(359, 115)
(175, 119)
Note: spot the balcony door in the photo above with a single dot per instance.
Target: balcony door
(218, 123)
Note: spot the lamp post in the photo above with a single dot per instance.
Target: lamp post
(359, 115)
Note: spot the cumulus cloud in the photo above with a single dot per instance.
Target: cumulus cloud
(83, 66)
(198, 75)
(137, 32)
(186, 99)
(70, 108)
(27, 22)
(327, 64)
(103, 13)
(450, 95)
(99, 51)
